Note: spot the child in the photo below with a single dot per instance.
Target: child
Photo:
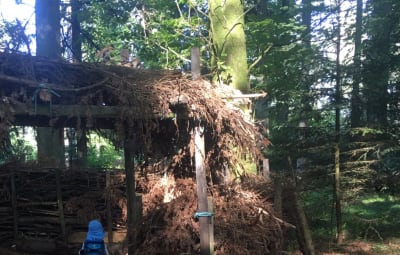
(94, 243)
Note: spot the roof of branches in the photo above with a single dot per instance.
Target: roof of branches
(43, 92)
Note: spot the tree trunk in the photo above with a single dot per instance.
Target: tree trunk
(355, 95)
(377, 63)
(130, 147)
(229, 43)
(303, 231)
(306, 20)
(76, 31)
(337, 195)
(50, 140)
(81, 138)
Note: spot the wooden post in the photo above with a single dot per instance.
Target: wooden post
(195, 63)
(266, 171)
(206, 241)
(60, 205)
(108, 203)
(14, 205)
(129, 154)
(211, 223)
(201, 190)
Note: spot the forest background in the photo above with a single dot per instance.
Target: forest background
(331, 71)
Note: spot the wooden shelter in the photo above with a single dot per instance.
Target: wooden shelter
(152, 113)
(133, 102)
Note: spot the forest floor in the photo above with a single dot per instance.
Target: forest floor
(359, 247)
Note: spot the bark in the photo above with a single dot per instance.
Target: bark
(377, 63)
(337, 195)
(80, 138)
(76, 31)
(306, 242)
(229, 43)
(50, 140)
(48, 28)
(355, 95)
(303, 232)
(129, 155)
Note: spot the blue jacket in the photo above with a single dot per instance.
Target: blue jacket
(95, 234)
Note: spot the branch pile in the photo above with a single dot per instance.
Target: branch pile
(243, 221)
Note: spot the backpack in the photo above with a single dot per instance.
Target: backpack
(93, 248)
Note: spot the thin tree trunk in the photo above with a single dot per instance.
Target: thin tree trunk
(129, 153)
(81, 147)
(303, 232)
(304, 229)
(339, 230)
(355, 95)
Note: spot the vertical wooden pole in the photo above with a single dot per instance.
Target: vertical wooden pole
(195, 63)
(139, 208)
(14, 205)
(211, 223)
(201, 190)
(266, 171)
(130, 194)
(60, 205)
(206, 247)
(108, 203)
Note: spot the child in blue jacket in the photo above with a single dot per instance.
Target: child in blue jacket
(94, 243)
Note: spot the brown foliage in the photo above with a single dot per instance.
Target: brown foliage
(244, 222)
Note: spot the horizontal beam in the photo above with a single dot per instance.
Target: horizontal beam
(90, 116)
(77, 111)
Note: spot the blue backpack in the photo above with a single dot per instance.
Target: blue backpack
(93, 248)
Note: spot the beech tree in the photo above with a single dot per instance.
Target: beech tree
(229, 56)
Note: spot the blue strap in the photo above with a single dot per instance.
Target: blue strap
(203, 214)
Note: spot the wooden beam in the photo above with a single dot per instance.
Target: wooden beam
(78, 111)
(57, 115)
